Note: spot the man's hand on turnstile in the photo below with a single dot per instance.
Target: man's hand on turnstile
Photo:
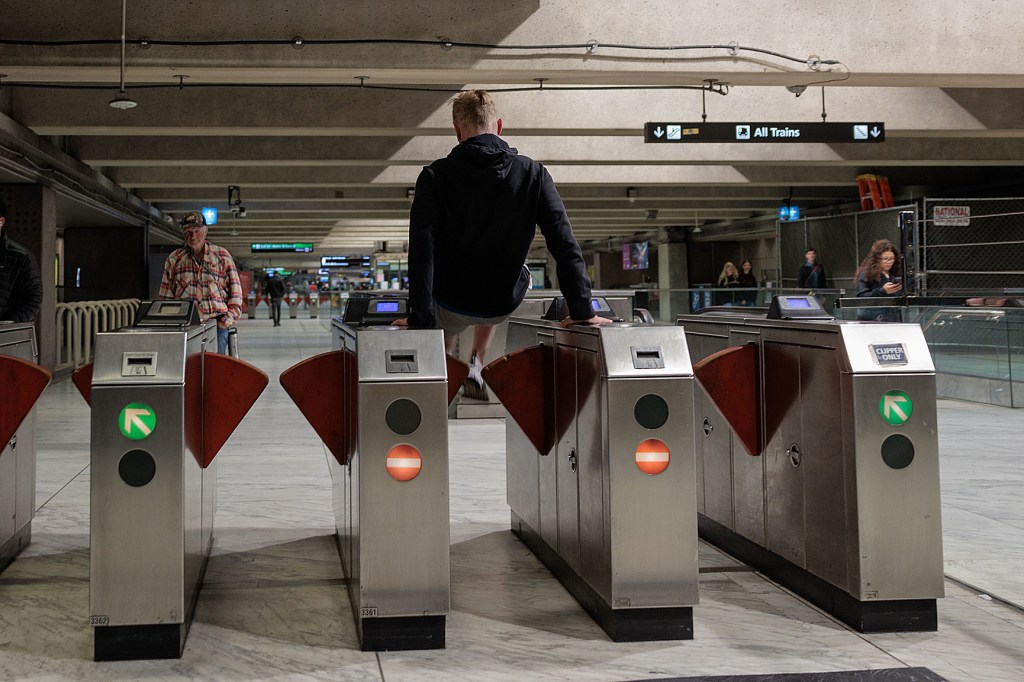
(401, 322)
(593, 322)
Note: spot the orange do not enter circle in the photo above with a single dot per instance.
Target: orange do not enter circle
(652, 456)
(404, 462)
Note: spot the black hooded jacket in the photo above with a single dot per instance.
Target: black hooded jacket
(21, 290)
(473, 219)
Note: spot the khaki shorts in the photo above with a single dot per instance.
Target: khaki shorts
(454, 323)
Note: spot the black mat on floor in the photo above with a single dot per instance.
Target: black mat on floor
(879, 675)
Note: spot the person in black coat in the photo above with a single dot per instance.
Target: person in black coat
(812, 273)
(474, 216)
(21, 289)
(275, 290)
(746, 280)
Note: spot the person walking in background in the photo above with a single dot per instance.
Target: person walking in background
(728, 278)
(474, 216)
(746, 280)
(879, 276)
(812, 273)
(21, 289)
(275, 291)
(205, 273)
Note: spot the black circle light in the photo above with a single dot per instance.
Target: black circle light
(651, 411)
(897, 451)
(136, 468)
(403, 416)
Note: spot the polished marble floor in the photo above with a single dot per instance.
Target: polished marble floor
(274, 605)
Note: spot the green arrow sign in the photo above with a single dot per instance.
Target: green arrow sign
(136, 421)
(895, 407)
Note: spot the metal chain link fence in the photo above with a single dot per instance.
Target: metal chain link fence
(972, 244)
(841, 242)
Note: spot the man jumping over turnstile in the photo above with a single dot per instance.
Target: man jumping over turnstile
(473, 218)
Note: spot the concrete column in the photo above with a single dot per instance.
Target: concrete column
(32, 222)
(672, 274)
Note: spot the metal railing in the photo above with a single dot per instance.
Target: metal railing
(77, 323)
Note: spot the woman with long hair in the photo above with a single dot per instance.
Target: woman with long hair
(747, 280)
(879, 276)
(728, 279)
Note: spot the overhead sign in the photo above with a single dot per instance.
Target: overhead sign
(954, 216)
(895, 407)
(299, 247)
(345, 261)
(210, 215)
(789, 213)
(136, 421)
(674, 133)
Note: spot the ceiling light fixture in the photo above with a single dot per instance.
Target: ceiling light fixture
(122, 101)
(631, 194)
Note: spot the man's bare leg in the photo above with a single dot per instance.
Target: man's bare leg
(482, 337)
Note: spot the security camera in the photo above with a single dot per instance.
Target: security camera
(241, 211)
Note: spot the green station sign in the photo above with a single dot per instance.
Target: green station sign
(270, 247)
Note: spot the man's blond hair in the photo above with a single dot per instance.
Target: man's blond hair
(474, 111)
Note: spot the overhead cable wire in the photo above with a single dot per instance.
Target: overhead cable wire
(589, 46)
(358, 86)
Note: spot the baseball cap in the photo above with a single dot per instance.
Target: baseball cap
(192, 219)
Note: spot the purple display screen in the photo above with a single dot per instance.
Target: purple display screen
(386, 307)
(797, 303)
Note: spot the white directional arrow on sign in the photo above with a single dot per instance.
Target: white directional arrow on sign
(658, 132)
(875, 132)
(132, 418)
(893, 406)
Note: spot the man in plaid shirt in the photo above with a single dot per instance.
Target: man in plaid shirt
(206, 273)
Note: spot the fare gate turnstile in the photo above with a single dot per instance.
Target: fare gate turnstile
(380, 401)
(840, 500)
(21, 383)
(600, 468)
(616, 303)
(162, 407)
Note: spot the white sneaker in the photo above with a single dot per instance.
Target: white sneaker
(473, 387)
(475, 368)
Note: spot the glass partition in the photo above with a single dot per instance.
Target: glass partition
(977, 347)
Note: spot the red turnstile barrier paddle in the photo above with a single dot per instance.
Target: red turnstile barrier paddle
(320, 388)
(720, 374)
(230, 387)
(82, 378)
(22, 383)
(524, 383)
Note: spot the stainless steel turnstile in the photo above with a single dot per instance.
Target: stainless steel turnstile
(617, 303)
(162, 405)
(380, 401)
(600, 468)
(21, 383)
(827, 479)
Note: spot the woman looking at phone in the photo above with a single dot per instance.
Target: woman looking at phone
(878, 276)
